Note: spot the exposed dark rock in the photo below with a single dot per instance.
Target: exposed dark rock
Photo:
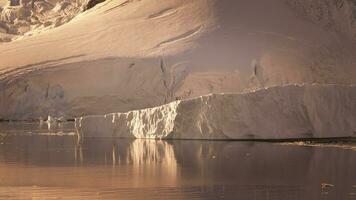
(14, 2)
(91, 3)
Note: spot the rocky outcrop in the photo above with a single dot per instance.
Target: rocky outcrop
(91, 3)
(33, 17)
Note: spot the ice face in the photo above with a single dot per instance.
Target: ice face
(281, 112)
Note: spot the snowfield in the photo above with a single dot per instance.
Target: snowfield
(293, 111)
(167, 55)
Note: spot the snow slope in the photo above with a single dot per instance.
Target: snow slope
(123, 55)
(281, 112)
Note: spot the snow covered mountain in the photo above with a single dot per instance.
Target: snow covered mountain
(123, 55)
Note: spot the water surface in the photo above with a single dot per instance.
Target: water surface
(60, 167)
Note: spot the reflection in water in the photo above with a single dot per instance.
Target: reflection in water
(47, 167)
(78, 152)
(152, 156)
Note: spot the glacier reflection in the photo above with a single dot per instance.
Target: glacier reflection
(180, 169)
(152, 155)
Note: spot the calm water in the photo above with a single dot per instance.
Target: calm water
(58, 167)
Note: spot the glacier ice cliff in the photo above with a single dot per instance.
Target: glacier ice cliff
(279, 112)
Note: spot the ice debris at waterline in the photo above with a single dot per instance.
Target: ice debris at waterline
(280, 112)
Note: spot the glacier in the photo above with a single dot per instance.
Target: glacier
(273, 69)
(279, 112)
(128, 55)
